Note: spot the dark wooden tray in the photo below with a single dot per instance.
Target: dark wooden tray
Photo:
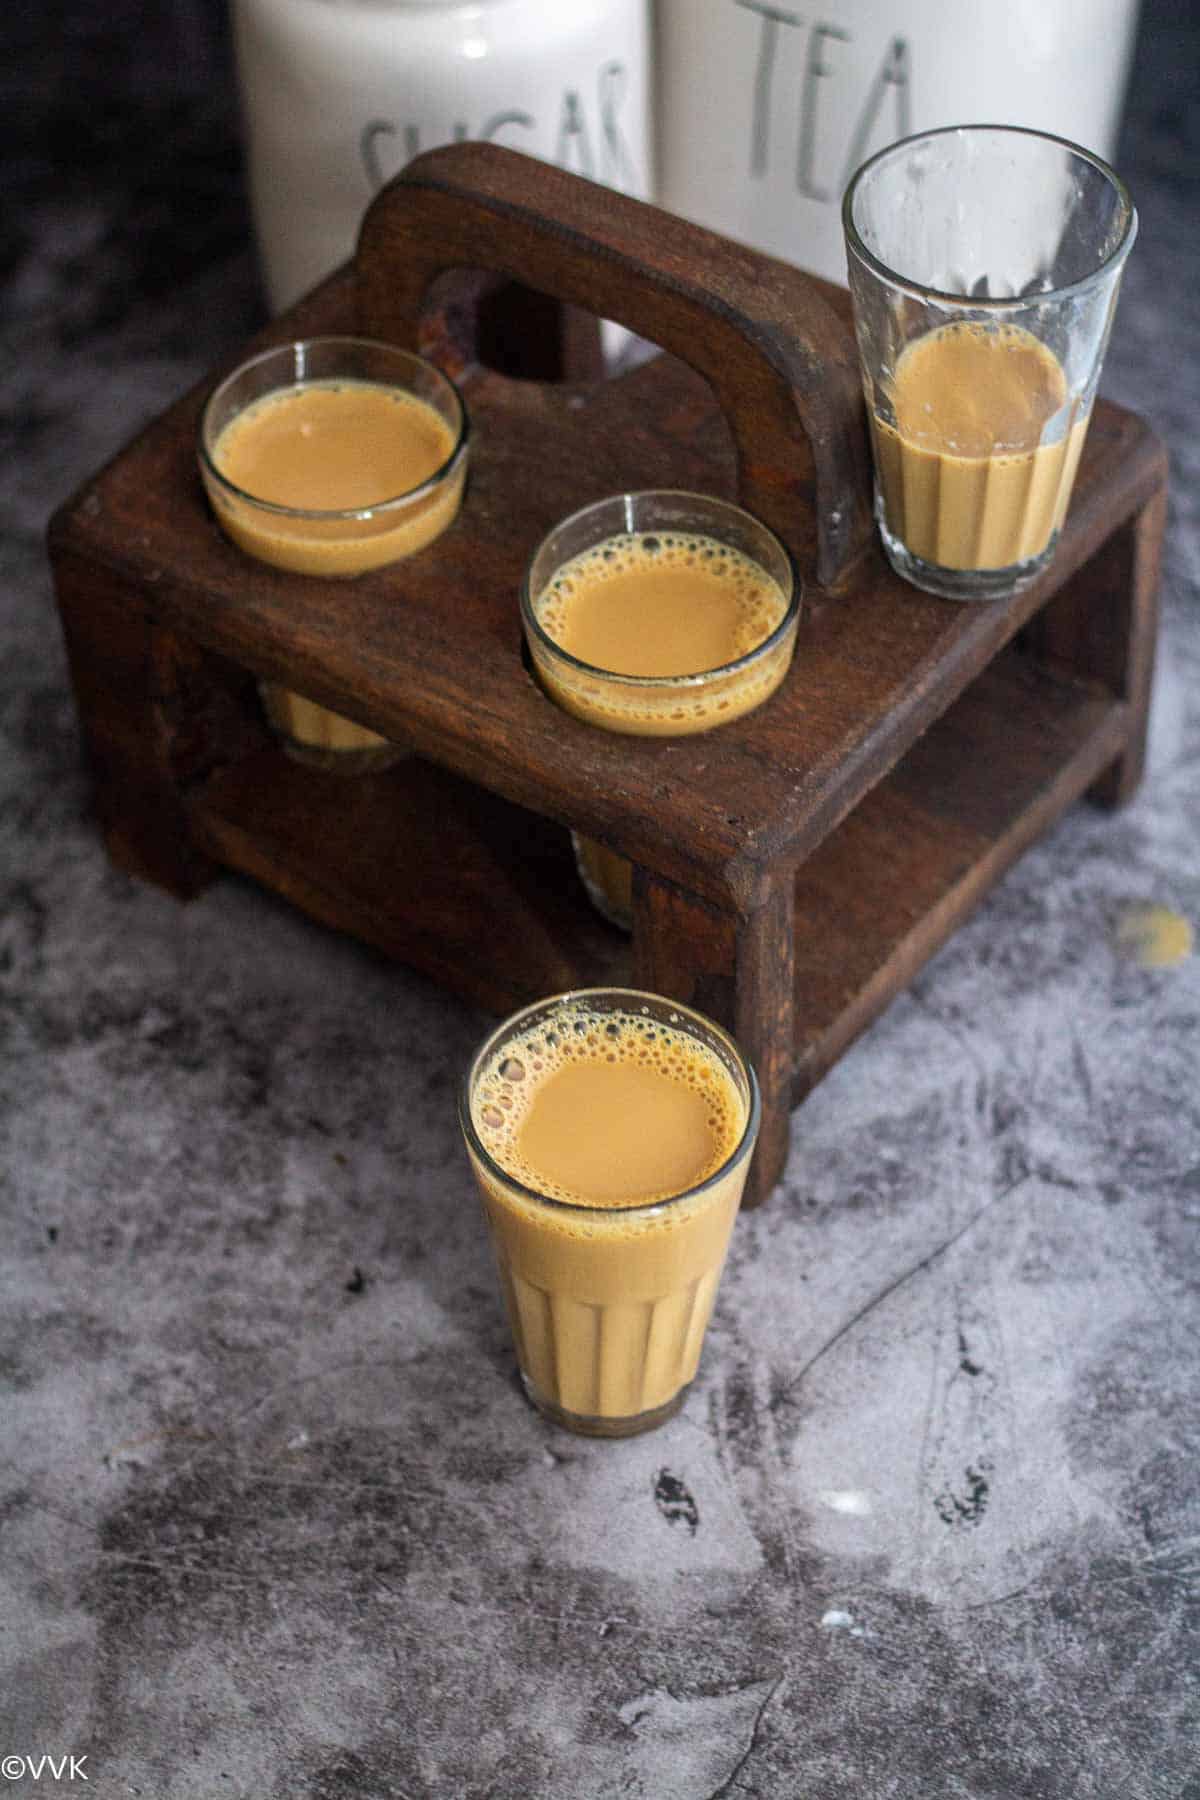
(792, 870)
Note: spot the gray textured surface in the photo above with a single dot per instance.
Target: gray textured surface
(274, 1519)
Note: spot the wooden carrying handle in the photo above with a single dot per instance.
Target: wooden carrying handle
(781, 363)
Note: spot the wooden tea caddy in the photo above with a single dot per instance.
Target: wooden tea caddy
(792, 870)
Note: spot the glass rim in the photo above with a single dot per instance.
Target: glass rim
(348, 514)
(968, 302)
(662, 683)
(635, 1208)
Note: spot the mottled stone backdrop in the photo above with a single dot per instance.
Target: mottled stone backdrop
(274, 1518)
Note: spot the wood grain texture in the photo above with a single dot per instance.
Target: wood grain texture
(891, 885)
(780, 362)
(402, 649)
(792, 869)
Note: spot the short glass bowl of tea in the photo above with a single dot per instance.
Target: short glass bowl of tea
(661, 614)
(333, 456)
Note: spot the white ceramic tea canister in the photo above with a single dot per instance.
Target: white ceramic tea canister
(337, 95)
(765, 109)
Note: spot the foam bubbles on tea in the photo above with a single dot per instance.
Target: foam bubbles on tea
(660, 603)
(608, 1109)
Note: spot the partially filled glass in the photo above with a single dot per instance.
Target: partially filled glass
(984, 263)
(332, 457)
(660, 614)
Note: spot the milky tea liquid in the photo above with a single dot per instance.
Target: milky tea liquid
(334, 446)
(658, 604)
(968, 477)
(605, 1114)
(337, 446)
(662, 604)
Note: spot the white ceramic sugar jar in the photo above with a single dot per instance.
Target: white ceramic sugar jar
(766, 108)
(337, 95)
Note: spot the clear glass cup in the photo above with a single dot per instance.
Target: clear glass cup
(984, 263)
(666, 705)
(341, 541)
(608, 1304)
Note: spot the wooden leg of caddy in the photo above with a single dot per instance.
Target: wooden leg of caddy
(738, 970)
(124, 670)
(1102, 624)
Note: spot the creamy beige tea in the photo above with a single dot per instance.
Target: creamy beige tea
(661, 604)
(610, 1265)
(969, 475)
(337, 446)
(333, 446)
(656, 605)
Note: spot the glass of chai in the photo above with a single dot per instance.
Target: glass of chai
(661, 614)
(331, 457)
(984, 263)
(610, 1132)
